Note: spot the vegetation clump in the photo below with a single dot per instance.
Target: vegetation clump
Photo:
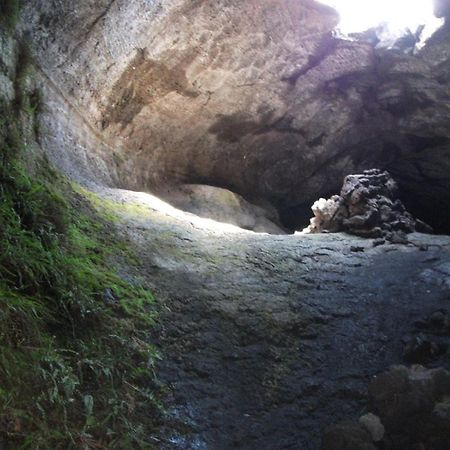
(76, 365)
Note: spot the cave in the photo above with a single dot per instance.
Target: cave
(280, 122)
(208, 129)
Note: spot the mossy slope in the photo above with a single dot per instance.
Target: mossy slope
(76, 366)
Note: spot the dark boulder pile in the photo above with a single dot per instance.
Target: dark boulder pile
(368, 206)
(411, 410)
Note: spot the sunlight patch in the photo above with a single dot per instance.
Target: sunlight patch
(396, 15)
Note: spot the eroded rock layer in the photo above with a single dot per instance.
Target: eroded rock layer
(256, 96)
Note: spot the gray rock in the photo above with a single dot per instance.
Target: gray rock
(368, 207)
(225, 206)
(373, 425)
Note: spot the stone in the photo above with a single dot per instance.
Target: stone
(225, 206)
(109, 297)
(409, 402)
(347, 436)
(368, 207)
(437, 323)
(373, 425)
(378, 242)
(442, 410)
(258, 97)
(397, 237)
(325, 213)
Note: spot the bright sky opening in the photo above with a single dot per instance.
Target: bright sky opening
(360, 15)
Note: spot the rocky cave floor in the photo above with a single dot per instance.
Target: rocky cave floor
(267, 340)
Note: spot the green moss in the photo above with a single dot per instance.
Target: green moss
(9, 12)
(111, 210)
(76, 363)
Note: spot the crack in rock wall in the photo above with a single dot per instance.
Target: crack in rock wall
(257, 97)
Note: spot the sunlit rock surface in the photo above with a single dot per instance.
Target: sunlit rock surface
(225, 206)
(257, 97)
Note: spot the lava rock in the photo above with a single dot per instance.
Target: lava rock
(368, 207)
(378, 242)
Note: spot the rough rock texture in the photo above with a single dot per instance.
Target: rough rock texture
(413, 406)
(224, 206)
(268, 340)
(256, 96)
(368, 206)
(414, 413)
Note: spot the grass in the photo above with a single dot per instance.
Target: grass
(76, 362)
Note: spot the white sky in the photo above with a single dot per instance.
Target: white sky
(359, 15)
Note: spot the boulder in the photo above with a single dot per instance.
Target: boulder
(411, 410)
(367, 206)
(373, 425)
(225, 206)
(421, 349)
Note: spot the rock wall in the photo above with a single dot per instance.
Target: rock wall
(257, 97)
